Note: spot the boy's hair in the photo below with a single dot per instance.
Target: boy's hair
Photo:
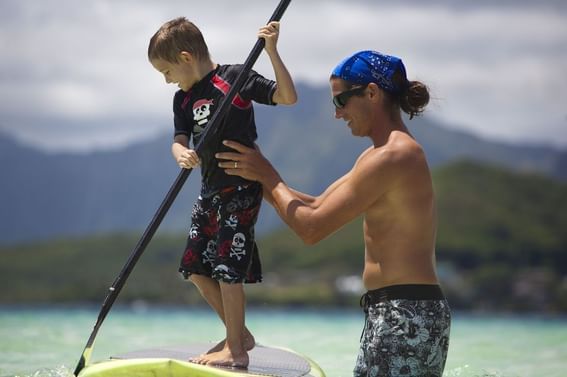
(176, 36)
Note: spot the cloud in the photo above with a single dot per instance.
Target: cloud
(79, 68)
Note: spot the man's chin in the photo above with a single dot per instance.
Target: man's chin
(352, 130)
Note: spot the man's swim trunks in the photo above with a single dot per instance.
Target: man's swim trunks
(221, 241)
(406, 332)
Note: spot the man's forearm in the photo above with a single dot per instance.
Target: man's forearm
(292, 209)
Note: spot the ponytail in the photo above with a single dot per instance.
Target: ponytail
(414, 98)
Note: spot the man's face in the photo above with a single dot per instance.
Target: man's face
(179, 73)
(354, 107)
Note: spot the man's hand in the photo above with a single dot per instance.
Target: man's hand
(248, 163)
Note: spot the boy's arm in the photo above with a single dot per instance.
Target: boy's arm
(186, 158)
(285, 90)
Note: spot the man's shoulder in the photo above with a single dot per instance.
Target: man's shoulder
(394, 158)
(404, 147)
(398, 151)
(404, 150)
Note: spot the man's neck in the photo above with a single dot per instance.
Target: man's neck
(385, 127)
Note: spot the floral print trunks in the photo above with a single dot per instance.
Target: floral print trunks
(221, 242)
(406, 332)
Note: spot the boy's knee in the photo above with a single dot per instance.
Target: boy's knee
(204, 283)
(198, 279)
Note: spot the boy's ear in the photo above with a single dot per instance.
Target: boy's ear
(185, 57)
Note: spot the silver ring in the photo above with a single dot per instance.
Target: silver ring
(235, 164)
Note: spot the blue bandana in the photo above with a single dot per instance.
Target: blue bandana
(365, 67)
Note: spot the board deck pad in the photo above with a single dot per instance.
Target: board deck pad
(264, 361)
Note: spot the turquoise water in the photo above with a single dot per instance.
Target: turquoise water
(49, 342)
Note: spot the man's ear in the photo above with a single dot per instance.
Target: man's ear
(374, 91)
(185, 57)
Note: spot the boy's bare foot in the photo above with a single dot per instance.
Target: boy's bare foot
(248, 342)
(224, 358)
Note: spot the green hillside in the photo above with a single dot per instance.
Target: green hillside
(501, 246)
(495, 213)
(502, 239)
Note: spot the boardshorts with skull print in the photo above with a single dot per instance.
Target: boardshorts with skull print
(221, 242)
(406, 332)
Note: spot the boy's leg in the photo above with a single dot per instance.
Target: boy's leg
(234, 352)
(236, 262)
(211, 292)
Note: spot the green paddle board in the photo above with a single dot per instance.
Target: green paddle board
(172, 361)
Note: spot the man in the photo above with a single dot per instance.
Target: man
(407, 317)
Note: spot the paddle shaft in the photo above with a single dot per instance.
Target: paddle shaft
(220, 112)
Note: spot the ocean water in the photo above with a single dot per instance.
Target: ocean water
(48, 342)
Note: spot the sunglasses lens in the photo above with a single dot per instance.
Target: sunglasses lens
(338, 101)
(341, 99)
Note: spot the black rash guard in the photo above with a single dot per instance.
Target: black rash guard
(194, 109)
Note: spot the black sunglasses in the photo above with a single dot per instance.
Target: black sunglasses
(341, 99)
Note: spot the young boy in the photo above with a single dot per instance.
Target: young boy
(221, 253)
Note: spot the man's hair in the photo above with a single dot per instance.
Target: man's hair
(176, 36)
(412, 99)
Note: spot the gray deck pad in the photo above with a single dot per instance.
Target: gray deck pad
(264, 361)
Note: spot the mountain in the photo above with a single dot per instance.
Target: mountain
(46, 195)
(501, 246)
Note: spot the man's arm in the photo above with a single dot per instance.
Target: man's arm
(312, 220)
(314, 201)
(347, 199)
(306, 198)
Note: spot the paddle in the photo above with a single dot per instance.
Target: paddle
(116, 287)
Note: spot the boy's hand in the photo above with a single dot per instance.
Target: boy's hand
(270, 33)
(188, 159)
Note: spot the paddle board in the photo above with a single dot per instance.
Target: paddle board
(172, 361)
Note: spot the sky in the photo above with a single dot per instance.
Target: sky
(74, 75)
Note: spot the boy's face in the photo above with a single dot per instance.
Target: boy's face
(180, 73)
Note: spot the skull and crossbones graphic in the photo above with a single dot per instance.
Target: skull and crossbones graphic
(193, 232)
(209, 255)
(223, 272)
(202, 111)
(237, 247)
(232, 222)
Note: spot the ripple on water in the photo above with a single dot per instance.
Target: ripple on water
(61, 371)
